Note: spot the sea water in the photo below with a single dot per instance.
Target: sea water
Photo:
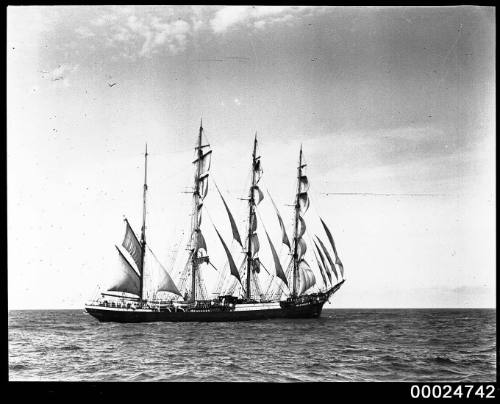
(342, 345)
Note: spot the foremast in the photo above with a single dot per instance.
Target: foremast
(251, 219)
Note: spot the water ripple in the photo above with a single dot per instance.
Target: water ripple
(342, 345)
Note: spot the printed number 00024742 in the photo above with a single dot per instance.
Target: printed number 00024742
(452, 391)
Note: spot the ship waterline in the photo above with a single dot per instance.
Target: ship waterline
(291, 293)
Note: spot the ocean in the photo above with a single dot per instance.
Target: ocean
(416, 345)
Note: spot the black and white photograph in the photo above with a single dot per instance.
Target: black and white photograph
(277, 194)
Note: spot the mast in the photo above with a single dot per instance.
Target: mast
(196, 224)
(143, 229)
(251, 216)
(295, 231)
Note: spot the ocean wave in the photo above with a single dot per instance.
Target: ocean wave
(356, 345)
(18, 366)
(70, 348)
(443, 359)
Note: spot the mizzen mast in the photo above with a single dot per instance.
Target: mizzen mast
(296, 226)
(143, 229)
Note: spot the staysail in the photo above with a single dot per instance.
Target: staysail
(232, 265)
(277, 265)
(127, 279)
(284, 237)
(164, 282)
(324, 265)
(157, 279)
(321, 269)
(337, 259)
(234, 228)
(332, 265)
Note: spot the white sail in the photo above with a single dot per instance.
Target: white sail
(156, 277)
(132, 245)
(306, 277)
(125, 277)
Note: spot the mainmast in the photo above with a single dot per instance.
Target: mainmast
(143, 229)
(295, 231)
(251, 218)
(196, 223)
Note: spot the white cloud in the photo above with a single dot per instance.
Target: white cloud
(144, 35)
(228, 16)
(260, 16)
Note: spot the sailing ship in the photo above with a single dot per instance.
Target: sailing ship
(291, 293)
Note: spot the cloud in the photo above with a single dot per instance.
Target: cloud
(258, 16)
(229, 16)
(142, 35)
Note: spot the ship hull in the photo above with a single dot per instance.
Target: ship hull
(139, 316)
(309, 306)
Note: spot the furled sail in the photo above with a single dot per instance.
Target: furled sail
(304, 184)
(127, 280)
(200, 206)
(256, 265)
(132, 245)
(301, 248)
(234, 228)
(277, 265)
(303, 202)
(160, 280)
(205, 161)
(258, 196)
(332, 265)
(306, 277)
(253, 226)
(199, 242)
(325, 266)
(301, 227)
(203, 186)
(257, 167)
(232, 265)
(284, 237)
(255, 244)
(337, 259)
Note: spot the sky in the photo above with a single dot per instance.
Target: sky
(393, 106)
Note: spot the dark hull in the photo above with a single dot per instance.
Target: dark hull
(305, 307)
(129, 316)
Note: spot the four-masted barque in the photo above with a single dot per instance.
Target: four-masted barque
(291, 293)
